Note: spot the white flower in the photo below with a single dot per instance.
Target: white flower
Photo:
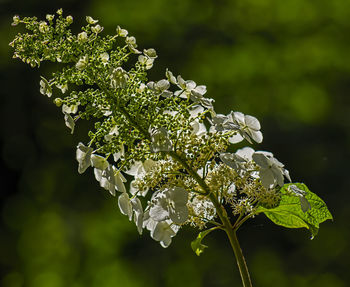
(249, 126)
(82, 63)
(138, 169)
(150, 53)
(198, 128)
(171, 78)
(146, 62)
(110, 179)
(45, 87)
(83, 156)
(16, 20)
(222, 123)
(170, 203)
(121, 32)
(96, 29)
(160, 140)
(72, 109)
(160, 88)
(161, 231)
(63, 87)
(131, 42)
(271, 170)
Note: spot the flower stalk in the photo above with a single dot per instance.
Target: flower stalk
(166, 135)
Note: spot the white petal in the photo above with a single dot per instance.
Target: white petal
(252, 122)
(236, 138)
(201, 90)
(178, 195)
(133, 170)
(179, 214)
(99, 162)
(163, 232)
(196, 111)
(138, 213)
(261, 160)
(238, 117)
(246, 153)
(190, 85)
(256, 136)
(267, 178)
(119, 182)
(158, 213)
(69, 122)
(83, 155)
(125, 205)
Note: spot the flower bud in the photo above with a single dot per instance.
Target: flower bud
(82, 37)
(69, 19)
(16, 20)
(43, 28)
(58, 102)
(49, 17)
(90, 20)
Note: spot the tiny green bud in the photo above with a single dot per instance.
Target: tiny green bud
(49, 17)
(58, 102)
(82, 37)
(69, 19)
(16, 20)
(90, 20)
(43, 28)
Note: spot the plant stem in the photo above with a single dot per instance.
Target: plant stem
(242, 265)
(231, 234)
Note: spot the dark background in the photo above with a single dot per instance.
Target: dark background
(285, 62)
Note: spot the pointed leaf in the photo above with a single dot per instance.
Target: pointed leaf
(293, 213)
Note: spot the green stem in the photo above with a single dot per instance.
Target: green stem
(230, 231)
(242, 265)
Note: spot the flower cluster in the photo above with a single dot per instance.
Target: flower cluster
(163, 137)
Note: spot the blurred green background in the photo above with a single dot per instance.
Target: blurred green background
(285, 62)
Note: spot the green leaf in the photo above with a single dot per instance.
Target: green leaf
(197, 245)
(289, 212)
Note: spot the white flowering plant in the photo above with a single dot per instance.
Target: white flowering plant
(165, 135)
